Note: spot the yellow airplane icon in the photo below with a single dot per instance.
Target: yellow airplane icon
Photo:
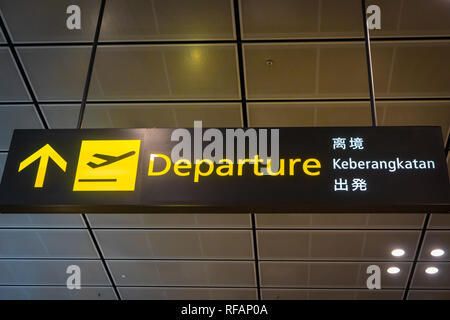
(116, 170)
(44, 153)
(108, 159)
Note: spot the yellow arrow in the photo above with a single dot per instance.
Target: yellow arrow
(44, 154)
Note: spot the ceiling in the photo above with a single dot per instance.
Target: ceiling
(166, 63)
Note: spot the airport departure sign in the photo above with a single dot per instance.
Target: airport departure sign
(291, 170)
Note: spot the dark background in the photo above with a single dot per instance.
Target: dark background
(402, 190)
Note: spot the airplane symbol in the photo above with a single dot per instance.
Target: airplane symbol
(107, 165)
(108, 159)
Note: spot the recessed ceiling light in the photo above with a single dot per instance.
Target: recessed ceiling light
(269, 62)
(398, 252)
(437, 252)
(393, 270)
(431, 270)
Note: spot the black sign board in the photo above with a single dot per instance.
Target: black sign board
(356, 169)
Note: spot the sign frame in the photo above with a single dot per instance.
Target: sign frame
(147, 198)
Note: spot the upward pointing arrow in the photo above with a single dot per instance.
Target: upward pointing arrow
(44, 153)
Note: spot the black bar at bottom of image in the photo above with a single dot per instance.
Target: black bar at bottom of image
(228, 309)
